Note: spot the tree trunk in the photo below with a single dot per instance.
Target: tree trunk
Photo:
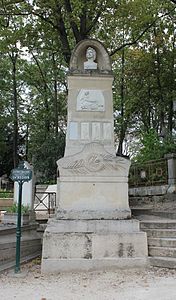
(122, 94)
(13, 58)
(160, 90)
(171, 90)
(56, 118)
(46, 115)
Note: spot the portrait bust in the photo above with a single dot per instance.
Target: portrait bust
(91, 56)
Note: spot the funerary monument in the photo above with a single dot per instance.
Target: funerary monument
(92, 228)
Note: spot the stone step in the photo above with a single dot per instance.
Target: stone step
(6, 244)
(162, 251)
(28, 247)
(162, 242)
(163, 262)
(165, 214)
(41, 228)
(11, 229)
(159, 224)
(137, 211)
(156, 233)
(151, 218)
(148, 211)
(11, 263)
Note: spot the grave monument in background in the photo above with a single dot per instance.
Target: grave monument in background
(28, 193)
(92, 228)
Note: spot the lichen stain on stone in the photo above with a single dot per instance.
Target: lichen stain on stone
(88, 247)
(106, 254)
(130, 250)
(121, 250)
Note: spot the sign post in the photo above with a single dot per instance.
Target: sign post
(21, 175)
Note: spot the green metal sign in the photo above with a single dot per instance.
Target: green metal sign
(21, 173)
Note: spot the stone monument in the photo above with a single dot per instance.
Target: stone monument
(92, 228)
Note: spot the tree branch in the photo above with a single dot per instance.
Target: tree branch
(83, 21)
(60, 27)
(173, 1)
(63, 34)
(94, 21)
(139, 37)
(71, 21)
(41, 72)
(44, 19)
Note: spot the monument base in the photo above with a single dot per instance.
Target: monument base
(82, 245)
(73, 214)
(55, 266)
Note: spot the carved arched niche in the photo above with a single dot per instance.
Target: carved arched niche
(78, 58)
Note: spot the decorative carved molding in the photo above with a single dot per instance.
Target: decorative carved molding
(94, 160)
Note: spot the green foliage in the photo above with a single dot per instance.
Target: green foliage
(46, 154)
(5, 194)
(153, 148)
(14, 209)
(37, 38)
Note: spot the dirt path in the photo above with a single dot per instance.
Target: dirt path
(150, 284)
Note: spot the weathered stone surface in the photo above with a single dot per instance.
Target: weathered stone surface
(120, 245)
(163, 262)
(90, 231)
(11, 218)
(54, 266)
(93, 226)
(92, 246)
(94, 160)
(96, 108)
(93, 184)
(30, 242)
(89, 244)
(86, 251)
(81, 214)
(90, 100)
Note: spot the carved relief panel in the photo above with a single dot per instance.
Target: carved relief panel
(90, 100)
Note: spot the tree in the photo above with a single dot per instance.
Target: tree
(12, 83)
(139, 37)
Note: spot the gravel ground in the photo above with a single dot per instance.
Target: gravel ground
(148, 284)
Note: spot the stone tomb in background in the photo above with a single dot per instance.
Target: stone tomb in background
(92, 228)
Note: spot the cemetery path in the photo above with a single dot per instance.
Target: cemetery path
(153, 283)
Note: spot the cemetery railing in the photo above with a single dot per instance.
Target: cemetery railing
(45, 202)
(150, 173)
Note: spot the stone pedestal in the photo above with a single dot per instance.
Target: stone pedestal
(87, 245)
(92, 228)
(93, 185)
